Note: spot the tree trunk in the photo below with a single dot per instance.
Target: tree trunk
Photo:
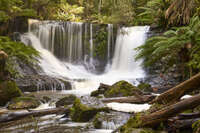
(3, 58)
(162, 115)
(16, 115)
(174, 94)
(132, 99)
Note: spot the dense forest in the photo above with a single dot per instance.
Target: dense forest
(172, 46)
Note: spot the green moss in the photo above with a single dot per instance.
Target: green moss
(95, 93)
(96, 122)
(196, 126)
(24, 103)
(145, 87)
(147, 131)
(82, 113)
(8, 90)
(133, 122)
(17, 50)
(68, 100)
(188, 111)
(122, 88)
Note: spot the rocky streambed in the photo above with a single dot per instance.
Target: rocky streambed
(89, 114)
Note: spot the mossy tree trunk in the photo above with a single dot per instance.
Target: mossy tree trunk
(174, 94)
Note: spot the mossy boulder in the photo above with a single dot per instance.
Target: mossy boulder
(83, 113)
(101, 90)
(24, 103)
(67, 100)
(122, 89)
(8, 90)
(145, 87)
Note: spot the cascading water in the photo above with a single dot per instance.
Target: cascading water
(67, 50)
(123, 61)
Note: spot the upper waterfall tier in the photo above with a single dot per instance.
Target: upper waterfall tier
(77, 43)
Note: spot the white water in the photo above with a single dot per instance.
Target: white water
(123, 65)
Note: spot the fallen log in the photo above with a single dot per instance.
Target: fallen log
(174, 94)
(19, 115)
(188, 116)
(178, 124)
(132, 99)
(162, 115)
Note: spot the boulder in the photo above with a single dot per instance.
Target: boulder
(145, 87)
(101, 90)
(83, 113)
(24, 103)
(67, 100)
(8, 90)
(122, 89)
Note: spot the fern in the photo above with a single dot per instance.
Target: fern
(17, 50)
(169, 46)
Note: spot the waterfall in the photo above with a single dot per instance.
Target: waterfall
(127, 40)
(110, 41)
(67, 50)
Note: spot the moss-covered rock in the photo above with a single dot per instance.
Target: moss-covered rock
(82, 113)
(8, 90)
(24, 103)
(97, 122)
(67, 100)
(145, 87)
(122, 89)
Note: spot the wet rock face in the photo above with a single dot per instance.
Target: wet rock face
(8, 90)
(67, 100)
(24, 103)
(159, 79)
(33, 83)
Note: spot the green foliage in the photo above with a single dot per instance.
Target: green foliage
(175, 46)
(17, 50)
(101, 39)
(153, 13)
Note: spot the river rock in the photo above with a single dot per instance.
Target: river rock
(24, 103)
(122, 89)
(67, 100)
(119, 89)
(83, 113)
(8, 90)
(145, 87)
